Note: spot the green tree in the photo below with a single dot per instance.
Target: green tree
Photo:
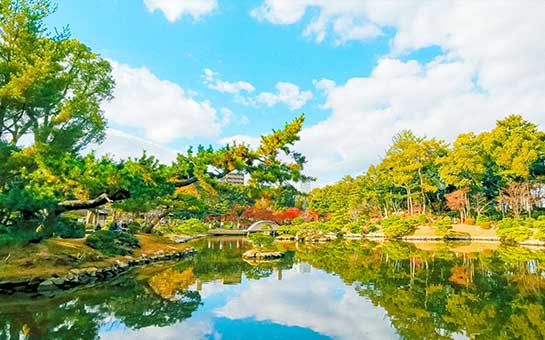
(410, 162)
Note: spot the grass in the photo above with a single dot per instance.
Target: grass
(56, 256)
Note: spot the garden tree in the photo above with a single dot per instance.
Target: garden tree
(51, 86)
(457, 200)
(263, 165)
(518, 150)
(228, 201)
(521, 196)
(464, 167)
(331, 198)
(410, 161)
(379, 192)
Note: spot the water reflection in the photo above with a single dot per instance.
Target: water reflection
(345, 290)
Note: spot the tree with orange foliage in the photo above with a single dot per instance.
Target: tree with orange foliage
(459, 201)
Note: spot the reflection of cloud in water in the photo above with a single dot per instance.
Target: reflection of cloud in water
(208, 289)
(188, 329)
(313, 300)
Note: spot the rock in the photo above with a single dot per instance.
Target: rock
(57, 281)
(123, 265)
(263, 255)
(70, 277)
(91, 271)
(47, 285)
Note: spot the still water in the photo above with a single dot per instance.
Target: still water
(340, 290)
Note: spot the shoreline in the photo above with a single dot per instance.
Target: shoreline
(61, 264)
(86, 276)
(447, 238)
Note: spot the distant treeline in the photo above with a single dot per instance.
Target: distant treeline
(495, 173)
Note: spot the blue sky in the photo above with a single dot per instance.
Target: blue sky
(211, 71)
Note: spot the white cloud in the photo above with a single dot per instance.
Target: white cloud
(241, 139)
(436, 99)
(121, 145)
(491, 65)
(175, 9)
(324, 85)
(212, 81)
(162, 109)
(346, 19)
(226, 116)
(288, 94)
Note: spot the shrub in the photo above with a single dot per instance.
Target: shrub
(113, 243)
(353, 227)
(68, 228)
(296, 221)
(444, 222)
(539, 224)
(11, 237)
(372, 228)
(422, 219)
(516, 233)
(540, 235)
(7, 240)
(485, 225)
(507, 223)
(288, 229)
(481, 219)
(396, 227)
(134, 227)
(185, 227)
(261, 240)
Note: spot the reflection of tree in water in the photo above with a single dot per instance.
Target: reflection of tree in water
(156, 297)
(225, 262)
(435, 294)
(170, 282)
(79, 314)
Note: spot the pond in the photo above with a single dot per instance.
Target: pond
(340, 290)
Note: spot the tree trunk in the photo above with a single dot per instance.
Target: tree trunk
(90, 204)
(409, 201)
(422, 191)
(154, 222)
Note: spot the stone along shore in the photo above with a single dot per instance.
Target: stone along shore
(87, 276)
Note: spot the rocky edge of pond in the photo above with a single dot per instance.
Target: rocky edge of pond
(319, 236)
(86, 276)
(263, 255)
(309, 236)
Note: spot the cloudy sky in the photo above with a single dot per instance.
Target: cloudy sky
(212, 71)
